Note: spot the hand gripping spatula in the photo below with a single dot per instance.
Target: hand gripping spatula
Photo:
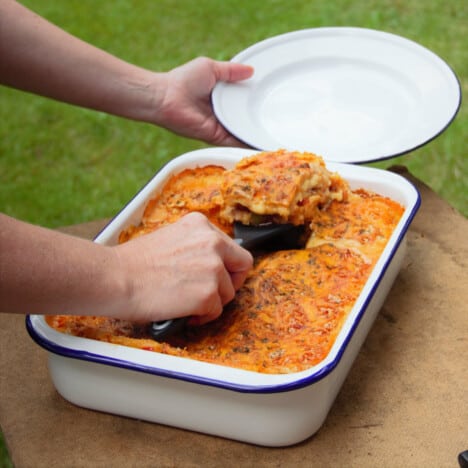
(255, 238)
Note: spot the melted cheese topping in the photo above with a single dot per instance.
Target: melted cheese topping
(196, 189)
(363, 222)
(286, 316)
(286, 186)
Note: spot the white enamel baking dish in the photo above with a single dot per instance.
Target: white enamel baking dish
(269, 410)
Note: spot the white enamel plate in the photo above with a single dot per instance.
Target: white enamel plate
(347, 94)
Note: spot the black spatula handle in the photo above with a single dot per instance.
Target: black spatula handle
(165, 328)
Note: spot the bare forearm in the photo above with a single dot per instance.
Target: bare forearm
(162, 275)
(41, 58)
(38, 57)
(43, 271)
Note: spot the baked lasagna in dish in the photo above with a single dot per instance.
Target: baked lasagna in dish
(286, 316)
(279, 187)
(192, 190)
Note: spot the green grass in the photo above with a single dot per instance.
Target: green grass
(62, 165)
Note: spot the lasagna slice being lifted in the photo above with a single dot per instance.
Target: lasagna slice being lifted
(279, 187)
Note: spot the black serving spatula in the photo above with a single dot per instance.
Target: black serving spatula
(269, 236)
(261, 237)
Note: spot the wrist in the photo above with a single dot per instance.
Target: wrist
(146, 91)
(118, 285)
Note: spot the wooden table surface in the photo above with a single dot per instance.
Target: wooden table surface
(404, 403)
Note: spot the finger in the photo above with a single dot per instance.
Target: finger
(214, 312)
(226, 289)
(226, 139)
(238, 279)
(231, 71)
(237, 259)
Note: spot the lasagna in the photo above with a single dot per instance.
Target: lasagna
(196, 189)
(286, 316)
(279, 187)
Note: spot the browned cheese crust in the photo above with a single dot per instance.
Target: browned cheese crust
(281, 186)
(293, 304)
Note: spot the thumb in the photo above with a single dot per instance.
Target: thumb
(231, 71)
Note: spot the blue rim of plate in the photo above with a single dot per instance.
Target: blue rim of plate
(243, 57)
